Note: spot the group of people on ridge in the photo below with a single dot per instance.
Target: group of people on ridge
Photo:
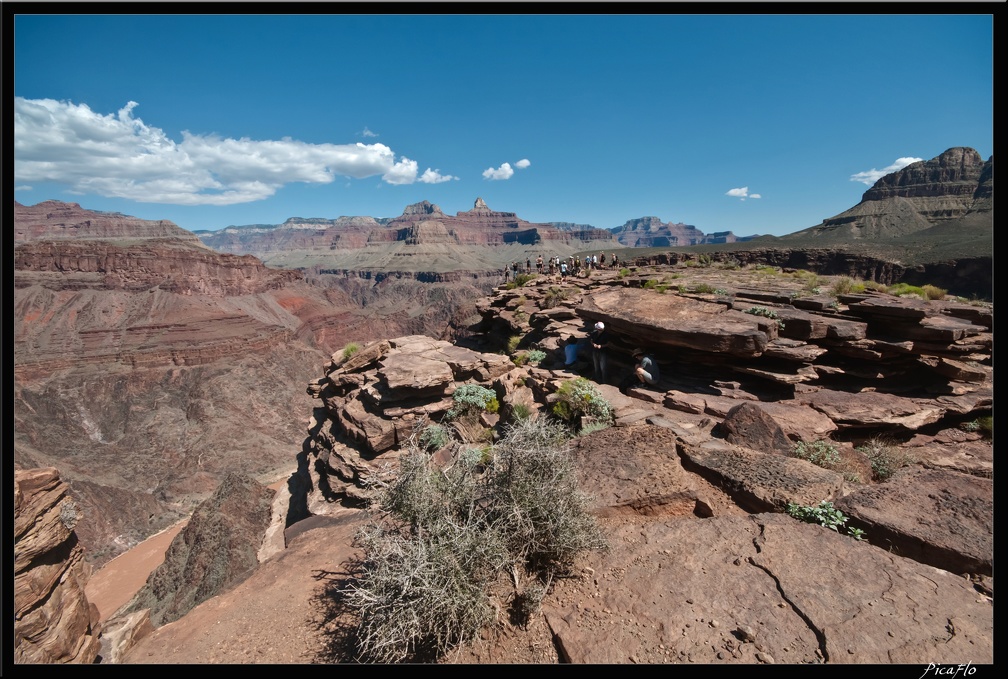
(572, 266)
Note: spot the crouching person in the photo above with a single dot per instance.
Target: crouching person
(646, 368)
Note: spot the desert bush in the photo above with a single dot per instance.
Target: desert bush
(553, 297)
(433, 437)
(445, 535)
(842, 286)
(905, 290)
(520, 411)
(704, 260)
(731, 264)
(579, 398)
(820, 453)
(513, 342)
(349, 350)
(703, 288)
(535, 356)
(932, 292)
(824, 514)
(623, 273)
(523, 278)
(472, 398)
(885, 458)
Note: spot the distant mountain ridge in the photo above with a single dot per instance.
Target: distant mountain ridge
(953, 191)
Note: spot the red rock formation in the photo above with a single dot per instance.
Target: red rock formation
(53, 621)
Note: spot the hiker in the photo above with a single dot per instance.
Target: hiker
(563, 272)
(507, 273)
(600, 346)
(528, 265)
(646, 368)
(539, 265)
(601, 260)
(570, 352)
(614, 260)
(514, 269)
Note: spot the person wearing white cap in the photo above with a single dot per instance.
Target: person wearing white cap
(600, 343)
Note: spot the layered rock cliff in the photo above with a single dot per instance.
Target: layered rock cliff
(53, 621)
(951, 191)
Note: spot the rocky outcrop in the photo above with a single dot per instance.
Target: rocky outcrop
(807, 370)
(216, 550)
(53, 621)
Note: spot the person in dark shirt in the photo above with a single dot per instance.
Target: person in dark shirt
(646, 368)
(600, 347)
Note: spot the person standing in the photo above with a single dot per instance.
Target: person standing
(600, 348)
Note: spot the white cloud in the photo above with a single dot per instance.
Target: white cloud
(871, 176)
(368, 133)
(23, 187)
(523, 163)
(435, 177)
(403, 172)
(119, 156)
(742, 193)
(502, 172)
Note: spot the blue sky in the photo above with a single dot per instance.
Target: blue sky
(751, 123)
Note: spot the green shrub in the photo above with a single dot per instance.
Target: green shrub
(842, 286)
(472, 398)
(349, 350)
(520, 411)
(536, 356)
(523, 278)
(704, 288)
(821, 453)
(932, 292)
(420, 584)
(824, 514)
(513, 342)
(985, 425)
(433, 437)
(905, 290)
(884, 458)
(623, 273)
(579, 398)
(553, 297)
(731, 264)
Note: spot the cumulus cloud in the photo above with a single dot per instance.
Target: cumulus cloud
(523, 163)
(871, 176)
(502, 172)
(435, 177)
(119, 156)
(742, 193)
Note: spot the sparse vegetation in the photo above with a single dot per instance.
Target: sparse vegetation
(704, 288)
(767, 313)
(884, 457)
(820, 453)
(535, 357)
(349, 350)
(579, 400)
(623, 273)
(985, 425)
(512, 343)
(421, 585)
(824, 514)
(553, 297)
(433, 437)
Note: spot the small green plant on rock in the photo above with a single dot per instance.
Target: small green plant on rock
(433, 437)
(766, 313)
(824, 514)
(820, 453)
(349, 350)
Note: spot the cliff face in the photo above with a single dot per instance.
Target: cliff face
(953, 191)
(55, 220)
(53, 621)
